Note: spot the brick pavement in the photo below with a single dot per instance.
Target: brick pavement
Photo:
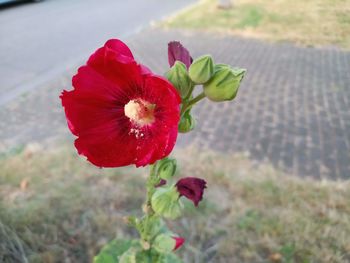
(293, 108)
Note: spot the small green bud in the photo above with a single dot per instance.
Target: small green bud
(164, 243)
(166, 168)
(202, 69)
(178, 76)
(165, 202)
(187, 123)
(224, 84)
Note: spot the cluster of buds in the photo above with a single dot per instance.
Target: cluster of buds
(220, 82)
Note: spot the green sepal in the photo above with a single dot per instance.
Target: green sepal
(166, 168)
(178, 76)
(165, 202)
(201, 69)
(224, 84)
(164, 243)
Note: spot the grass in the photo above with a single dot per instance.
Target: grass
(55, 207)
(309, 23)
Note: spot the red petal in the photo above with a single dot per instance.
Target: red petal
(119, 47)
(179, 241)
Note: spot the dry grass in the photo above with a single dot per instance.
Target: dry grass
(57, 208)
(310, 23)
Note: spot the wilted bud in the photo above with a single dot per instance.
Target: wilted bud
(166, 243)
(224, 84)
(202, 69)
(178, 76)
(166, 168)
(187, 123)
(192, 188)
(165, 202)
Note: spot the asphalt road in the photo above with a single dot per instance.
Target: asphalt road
(39, 41)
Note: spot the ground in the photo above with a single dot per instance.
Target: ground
(64, 207)
(309, 23)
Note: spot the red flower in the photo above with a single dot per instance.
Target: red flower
(192, 188)
(121, 113)
(179, 242)
(176, 51)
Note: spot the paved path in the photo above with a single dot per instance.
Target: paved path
(293, 108)
(39, 41)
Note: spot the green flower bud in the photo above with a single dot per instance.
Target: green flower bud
(165, 202)
(178, 76)
(202, 69)
(166, 168)
(224, 84)
(187, 123)
(164, 243)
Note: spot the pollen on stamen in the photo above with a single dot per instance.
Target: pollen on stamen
(140, 112)
(138, 133)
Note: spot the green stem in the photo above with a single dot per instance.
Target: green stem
(188, 104)
(151, 181)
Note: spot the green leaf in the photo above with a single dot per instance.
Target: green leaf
(111, 252)
(129, 256)
(169, 258)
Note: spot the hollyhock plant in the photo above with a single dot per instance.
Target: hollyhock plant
(122, 113)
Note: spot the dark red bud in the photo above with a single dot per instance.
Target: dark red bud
(192, 188)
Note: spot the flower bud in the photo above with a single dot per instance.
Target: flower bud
(202, 69)
(187, 123)
(192, 188)
(165, 202)
(178, 76)
(166, 243)
(166, 168)
(224, 84)
(177, 52)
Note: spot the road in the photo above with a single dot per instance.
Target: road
(39, 41)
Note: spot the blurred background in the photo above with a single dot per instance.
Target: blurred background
(277, 158)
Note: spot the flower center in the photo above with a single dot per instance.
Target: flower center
(140, 112)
